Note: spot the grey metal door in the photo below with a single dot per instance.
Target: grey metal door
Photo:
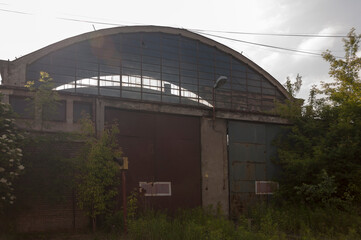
(250, 160)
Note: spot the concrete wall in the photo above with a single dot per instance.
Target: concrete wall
(37, 124)
(213, 134)
(99, 103)
(214, 163)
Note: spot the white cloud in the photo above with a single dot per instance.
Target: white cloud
(318, 45)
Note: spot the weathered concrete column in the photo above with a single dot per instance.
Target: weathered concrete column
(214, 163)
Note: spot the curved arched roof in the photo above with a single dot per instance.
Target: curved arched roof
(151, 63)
(29, 58)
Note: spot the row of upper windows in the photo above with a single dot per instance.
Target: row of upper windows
(188, 65)
(88, 52)
(24, 108)
(69, 66)
(168, 59)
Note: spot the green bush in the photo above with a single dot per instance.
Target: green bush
(306, 222)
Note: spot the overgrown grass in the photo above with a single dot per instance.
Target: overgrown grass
(195, 224)
(292, 222)
(308, 223)
(261, 223)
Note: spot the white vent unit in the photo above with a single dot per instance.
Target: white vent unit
(156, 188)
(266, 187)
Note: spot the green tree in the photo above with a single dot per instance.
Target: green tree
(321, 152)
(98, 178)
(293, 88)
(342, 142)
(10, 155)
(45, 99)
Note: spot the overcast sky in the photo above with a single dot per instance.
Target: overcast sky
(26, 26)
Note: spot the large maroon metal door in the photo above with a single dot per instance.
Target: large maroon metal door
(161, 148)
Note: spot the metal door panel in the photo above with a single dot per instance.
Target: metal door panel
(250, 152)
(244, 171)
(242, 187)
(247, 132)
(161, 148)
(247, 152)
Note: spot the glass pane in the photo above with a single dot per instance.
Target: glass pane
(84, 65)
(188, 73)
(186, 79)
(170, 53)
(170, 40)
(206, 76)
(204, 60)
(110, 91)
(239, 87)
(254, 76)
(188, 55)
(206, 68)
(268, 91)
(149, 96)
(151, 84)
(22, 106)
(254, 83)
(151, 60)
(170, 70)
(131, 39)
(222, 57)
(150, 67)
(151, 51)
(87, 90)
(206, 82)
(131, 64)
(188, 43)
(131, 81)
(131, 93)
(254, 89)
(81, 109)
(130, 57)
(151, 74)
(188, 66)
(238, 66)
(170, 99)
(55, 113)
(170, 63)
(222, 72)
(131, 71)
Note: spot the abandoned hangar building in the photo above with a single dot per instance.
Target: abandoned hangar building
(197, 142)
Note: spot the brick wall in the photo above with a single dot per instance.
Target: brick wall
(46, 200)
(43, 216)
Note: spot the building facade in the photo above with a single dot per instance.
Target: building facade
(189, 142)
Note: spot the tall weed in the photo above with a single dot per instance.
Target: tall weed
(263, 223)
